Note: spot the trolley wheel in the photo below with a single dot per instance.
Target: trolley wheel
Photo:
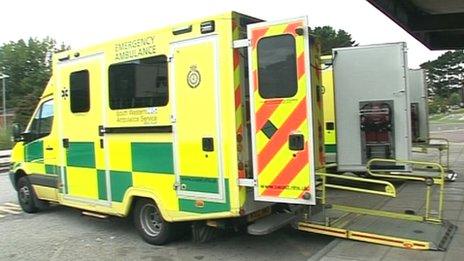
(363, 174)
(451, 176)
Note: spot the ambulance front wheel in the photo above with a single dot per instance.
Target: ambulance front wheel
(150, 224)
(26, 196)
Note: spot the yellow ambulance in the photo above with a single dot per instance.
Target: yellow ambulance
(205, 122)
(329, 107)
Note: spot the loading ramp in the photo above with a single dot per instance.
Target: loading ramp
(425, 231)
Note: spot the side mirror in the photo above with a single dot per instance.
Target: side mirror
(16, 131)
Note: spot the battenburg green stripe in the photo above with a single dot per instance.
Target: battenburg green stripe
(330, 148)
(52, 169)
(101, 179)
(120, 182)
(200, 184)
(34, 151)
(152, 157)
(81, 154)
(188, 205)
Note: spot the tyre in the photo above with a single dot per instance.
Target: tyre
(150, 224)
(26, 196)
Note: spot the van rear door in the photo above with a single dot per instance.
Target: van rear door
(281, 119)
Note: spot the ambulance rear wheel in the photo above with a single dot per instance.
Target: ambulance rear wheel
(150, 224)
(26, 196)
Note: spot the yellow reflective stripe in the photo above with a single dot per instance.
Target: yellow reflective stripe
(297, 185)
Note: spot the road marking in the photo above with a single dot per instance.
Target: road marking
(9, 208)
(9, 211)
(13, 205)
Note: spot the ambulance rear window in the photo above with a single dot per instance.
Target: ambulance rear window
(139, 83)
(277, 76)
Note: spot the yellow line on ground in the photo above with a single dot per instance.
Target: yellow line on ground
(13, 208)
(11, 204)
(9, 211)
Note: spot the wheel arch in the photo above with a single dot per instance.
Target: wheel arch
(19, 173)
(132, 195)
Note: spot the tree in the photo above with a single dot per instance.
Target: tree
(28, 63)
(454, 99)
(438, 105)
(330, 38)
(445, 75)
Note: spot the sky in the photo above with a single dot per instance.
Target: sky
(80, 23)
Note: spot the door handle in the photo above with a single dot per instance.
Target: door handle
(65, 143)
(49, 148)
(296, 142)
(207, 144)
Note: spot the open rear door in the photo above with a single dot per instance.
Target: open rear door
(281, 118)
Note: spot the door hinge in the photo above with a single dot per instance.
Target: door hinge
(247, 182)
(176, 186)
(170, 59)
(242, 43)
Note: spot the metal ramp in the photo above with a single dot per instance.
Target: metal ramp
(405, 230)
(383, 230)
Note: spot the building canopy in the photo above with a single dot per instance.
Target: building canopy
(438, 24)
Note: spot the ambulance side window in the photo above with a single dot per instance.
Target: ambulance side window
(80, 91)
(277, 75)
(42, 122)
(139, 83)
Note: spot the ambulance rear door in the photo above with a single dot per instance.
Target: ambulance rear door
(280, 108)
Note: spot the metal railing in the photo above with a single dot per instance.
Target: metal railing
(430, 173)
(440, 144)
(434, 176)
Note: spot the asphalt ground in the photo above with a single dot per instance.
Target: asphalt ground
(63, 233)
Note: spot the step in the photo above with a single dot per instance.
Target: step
(93, 214)
(271, 223)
